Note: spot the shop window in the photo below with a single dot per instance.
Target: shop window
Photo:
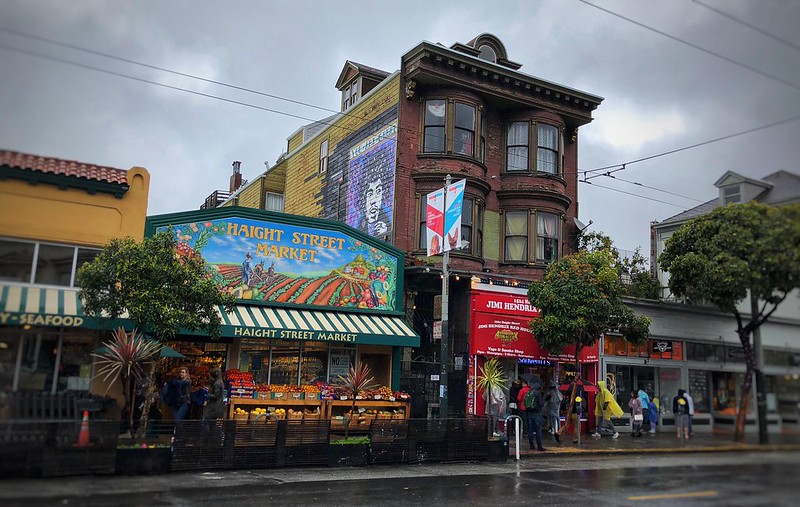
(725, 394)
(313, 364)
(284, 363)
(705, 352)
(618, 346)
(699, 389)
(75, 369)
(547, 139)
(340, 360)
(449, 127)
(37, 366)
(16, 261)
(666, 349)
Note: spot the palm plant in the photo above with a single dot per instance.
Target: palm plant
(492, 377)
(123, 357)
(357, 380)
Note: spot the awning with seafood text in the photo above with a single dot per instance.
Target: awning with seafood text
(248, 321)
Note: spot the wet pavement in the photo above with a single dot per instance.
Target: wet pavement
(708, 479)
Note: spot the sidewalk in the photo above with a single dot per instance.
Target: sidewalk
(663, 442)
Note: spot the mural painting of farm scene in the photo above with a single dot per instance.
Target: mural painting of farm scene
(273, 262)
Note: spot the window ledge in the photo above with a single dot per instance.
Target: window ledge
(454, 156)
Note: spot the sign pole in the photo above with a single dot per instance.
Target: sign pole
(443, 351)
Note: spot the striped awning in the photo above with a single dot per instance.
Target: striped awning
(317, 325)
(25, 305)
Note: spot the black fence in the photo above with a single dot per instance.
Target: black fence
(53, 448)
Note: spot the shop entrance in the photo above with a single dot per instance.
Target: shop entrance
(622, 379)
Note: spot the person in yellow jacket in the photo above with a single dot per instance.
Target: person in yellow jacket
(605, 406)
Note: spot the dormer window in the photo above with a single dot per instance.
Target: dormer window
(731, 194)
(350, 95)
(487, 53)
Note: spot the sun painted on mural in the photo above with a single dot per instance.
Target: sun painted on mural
(273, 262)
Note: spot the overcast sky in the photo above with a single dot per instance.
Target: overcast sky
(659, 94)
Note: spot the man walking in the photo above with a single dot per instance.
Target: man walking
(532, 403)
(605, 407)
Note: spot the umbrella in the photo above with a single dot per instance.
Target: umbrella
(532, 379)
(165, 351)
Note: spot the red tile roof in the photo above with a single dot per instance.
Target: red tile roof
(70, 168)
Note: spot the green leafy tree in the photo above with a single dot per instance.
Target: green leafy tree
(633, 271)
(729, 253)
(579, 300)
(161, 291)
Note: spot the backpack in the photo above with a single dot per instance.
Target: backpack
(532, 402)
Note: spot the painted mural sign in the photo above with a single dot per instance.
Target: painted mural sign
(273, 262)
(370, 176)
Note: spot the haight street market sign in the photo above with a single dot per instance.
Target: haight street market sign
(275, 261)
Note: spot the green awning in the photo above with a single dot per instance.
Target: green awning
(317, 325)
(25, 305)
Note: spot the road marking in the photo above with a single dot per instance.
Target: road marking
(675, 495)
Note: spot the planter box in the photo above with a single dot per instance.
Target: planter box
(144, 461)
(348, 455)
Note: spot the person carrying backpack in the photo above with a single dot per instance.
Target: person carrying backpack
(680, 407)
(532, 403)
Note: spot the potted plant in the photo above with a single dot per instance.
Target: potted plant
(357, 380)
(349, 452)
(493, 380)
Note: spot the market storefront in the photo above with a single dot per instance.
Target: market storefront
(500, 327)
(314, 298)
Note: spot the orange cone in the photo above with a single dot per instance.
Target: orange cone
(83, 436)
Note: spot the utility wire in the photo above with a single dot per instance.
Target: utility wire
(631, 193)
(647, 186)
(696, 145)
(749, 25)
(695, 46)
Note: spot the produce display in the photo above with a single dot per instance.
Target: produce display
(240, 384)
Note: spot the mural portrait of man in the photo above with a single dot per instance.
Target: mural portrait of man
(370, 195)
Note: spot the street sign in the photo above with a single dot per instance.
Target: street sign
(437, 329)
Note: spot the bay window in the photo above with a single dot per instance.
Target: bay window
(546, 237)
(530, 241)
(521, 135)
(471, 226)
(451, 126)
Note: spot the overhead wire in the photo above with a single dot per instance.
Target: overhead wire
(749, 25)
(695, 46)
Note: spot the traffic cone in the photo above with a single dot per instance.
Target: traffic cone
(83, 436)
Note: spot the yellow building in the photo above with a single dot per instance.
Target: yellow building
(55, 215)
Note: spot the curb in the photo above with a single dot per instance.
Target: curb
(555, 451)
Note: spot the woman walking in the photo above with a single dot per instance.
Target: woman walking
(637, 414)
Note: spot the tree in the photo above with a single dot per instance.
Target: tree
(732, 251)
(579, 300)
(633, 271)
(161, 291)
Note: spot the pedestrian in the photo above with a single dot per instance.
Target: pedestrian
(637, 414)
(495, 406)
(680, 407)
(552, 403)
(513, 393)
(690, 401)
(178, 396)
(650, 414)
(605, 407)
(531, 401)
(215, 406)
(578, 409)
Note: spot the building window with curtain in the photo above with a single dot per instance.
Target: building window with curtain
(274, 202)
(471, 226)
(517, 147)
(464, 130)
(434, 129)
(546, 237)
(515, 247)
(521, 135)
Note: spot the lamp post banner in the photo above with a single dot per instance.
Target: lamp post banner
(434, 222)
(454, 204)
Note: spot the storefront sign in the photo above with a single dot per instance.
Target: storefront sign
(661, 346)
(494, 335)
(269, 261)
(38, 319)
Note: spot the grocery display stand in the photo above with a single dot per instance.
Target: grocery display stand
(284, 402)
(337, 412)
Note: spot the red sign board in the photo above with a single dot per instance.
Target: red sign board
(501, 327)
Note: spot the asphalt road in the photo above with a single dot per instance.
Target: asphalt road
(720, 479)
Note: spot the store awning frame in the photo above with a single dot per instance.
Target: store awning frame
(250, 321)
(34, 306)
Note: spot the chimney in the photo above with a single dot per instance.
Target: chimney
(236, 177)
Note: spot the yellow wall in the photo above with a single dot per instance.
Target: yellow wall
(73, 216)
(303, 189)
